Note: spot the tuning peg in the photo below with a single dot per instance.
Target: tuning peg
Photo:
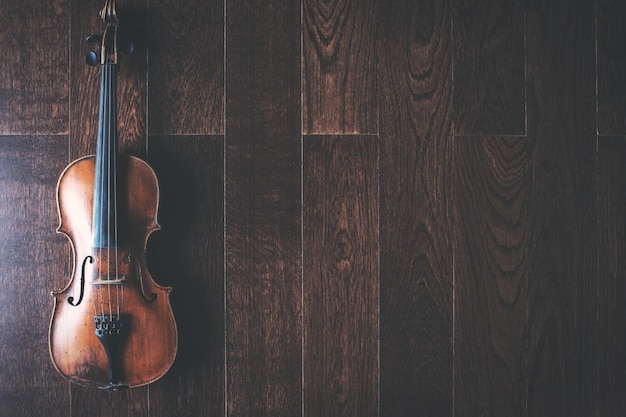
(94, 38)
(92, 59)
(127, 47)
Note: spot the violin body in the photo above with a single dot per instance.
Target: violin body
(111, 291)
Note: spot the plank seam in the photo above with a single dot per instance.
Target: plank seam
(340, 134)
(476, 137)
(224, 231)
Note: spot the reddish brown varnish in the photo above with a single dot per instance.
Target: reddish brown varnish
(150, 346)
(112, 326)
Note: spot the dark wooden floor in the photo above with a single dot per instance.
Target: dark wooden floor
(368, 208)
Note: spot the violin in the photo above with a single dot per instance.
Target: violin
(112, 326)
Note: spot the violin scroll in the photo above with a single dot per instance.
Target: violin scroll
(108, 13)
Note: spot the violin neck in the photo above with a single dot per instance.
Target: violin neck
(104, 226)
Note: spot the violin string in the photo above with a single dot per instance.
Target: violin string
(100, 189)
(101, 195)
(104, 240)
(114, 174)
(106, 184)
(110, 138)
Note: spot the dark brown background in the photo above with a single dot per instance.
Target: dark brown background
(369, 207)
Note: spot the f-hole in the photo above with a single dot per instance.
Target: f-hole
(131, 260)
(82, 282)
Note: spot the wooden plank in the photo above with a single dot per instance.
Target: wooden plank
(33, 46)
(340, 294)
(33, 261)
(416, 276)
(186, 67)
(98, 403)
(611, 65)
(263, 209)
(611, 282)
(491, 197)
(489, 68)
(563, 232)
(85, 80)
(339, 78)
(188, 254)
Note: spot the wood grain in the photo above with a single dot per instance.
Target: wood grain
(611, 67)
(188, 254)
(490, 292)
(563, 232)
(339, 80)
(186, 67)
(416, 276)
(263, 209)
(85, 80)
(441, 202)
(33, 261)
(489, 68)
(340, 293)
(611, 283)
(33, 46)
(98, 403)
